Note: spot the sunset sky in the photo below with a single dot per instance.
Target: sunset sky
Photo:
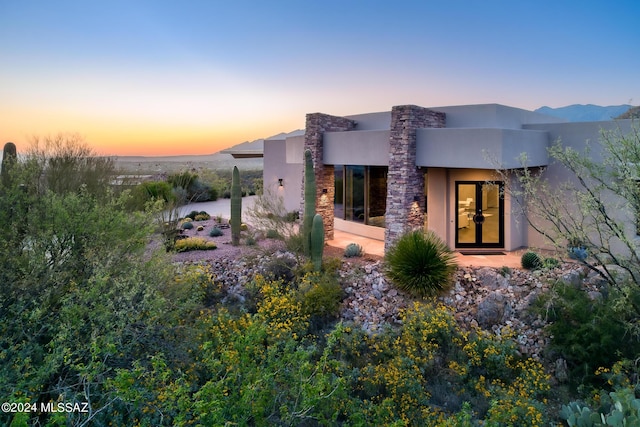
(192, 77)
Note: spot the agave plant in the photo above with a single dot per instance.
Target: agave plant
(421, 264)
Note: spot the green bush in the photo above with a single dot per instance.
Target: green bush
(192, 215)
(353, 250)
(194, 244)
(320, 295)
(420, 263)
(250, 240)
(216, 232)
(550, 263)
(588, 332)
(531, 261)
(272, 234)
(187, 225)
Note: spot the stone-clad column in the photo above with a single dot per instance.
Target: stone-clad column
(317, 124)
(405, 182)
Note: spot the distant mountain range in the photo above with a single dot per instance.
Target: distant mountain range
(586, 113)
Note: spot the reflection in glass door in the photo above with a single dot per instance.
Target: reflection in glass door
(480, 214)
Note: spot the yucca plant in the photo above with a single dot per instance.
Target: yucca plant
(421, 264)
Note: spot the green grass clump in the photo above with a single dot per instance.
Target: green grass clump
(421, 264)
(194, 244)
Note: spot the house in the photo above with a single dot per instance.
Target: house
(380, 174)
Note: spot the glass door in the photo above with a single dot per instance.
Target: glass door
(480, 214)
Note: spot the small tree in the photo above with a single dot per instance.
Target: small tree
(595, 209)
(593, 214)
(67, 163)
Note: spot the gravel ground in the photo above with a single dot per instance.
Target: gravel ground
(224, 247)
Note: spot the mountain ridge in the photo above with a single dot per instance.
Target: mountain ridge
(585, 112)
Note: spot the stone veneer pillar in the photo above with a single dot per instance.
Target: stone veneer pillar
(405, 181)
(316, 125)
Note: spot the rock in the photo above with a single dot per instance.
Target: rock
(491, 279)
(561, 371)
(491, 310)
(573, 278)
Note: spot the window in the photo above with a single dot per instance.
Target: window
(361, 193)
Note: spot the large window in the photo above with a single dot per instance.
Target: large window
(361, 194)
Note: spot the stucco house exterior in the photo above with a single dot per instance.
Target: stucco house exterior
(380, 174)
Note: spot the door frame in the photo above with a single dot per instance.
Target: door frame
(478, 197)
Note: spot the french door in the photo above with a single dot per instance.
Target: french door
(480, 214)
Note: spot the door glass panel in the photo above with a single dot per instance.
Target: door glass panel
(354, 193)
(466, 211)
(491, 211)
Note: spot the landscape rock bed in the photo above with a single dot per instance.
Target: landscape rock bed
(492, 299)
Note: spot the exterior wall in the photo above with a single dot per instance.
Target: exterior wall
(437, 199)
(578, 136)
(481, 148)
(370, 148)
(404, 181)
(317, 124)
(409, 139)
(492, 116)
(276, 167)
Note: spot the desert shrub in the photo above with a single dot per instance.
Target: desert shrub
(320, 295)
(200, 228)
(272, 234)
(550, 263)
(531, 261)
(295, 243)
(244, 227)
(505, 271)
(250, 240)
(588, 331)
(151, 190)
(202, 216)
(192, 215)
(353, 250)
(188, 225)
(420, 263)
(422, 372)
(216, 232)
(281, 267)
(194, 244)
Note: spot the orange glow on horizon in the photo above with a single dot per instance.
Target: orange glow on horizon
(139, 138)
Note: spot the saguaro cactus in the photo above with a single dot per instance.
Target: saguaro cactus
(9, 156)
(317, 242)
(309, 201)
(236, 207)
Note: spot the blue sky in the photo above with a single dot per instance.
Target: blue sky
(194, 77)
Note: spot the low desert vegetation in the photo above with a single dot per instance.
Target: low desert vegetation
(89, 315)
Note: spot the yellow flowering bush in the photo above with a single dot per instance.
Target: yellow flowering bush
(407, 375)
